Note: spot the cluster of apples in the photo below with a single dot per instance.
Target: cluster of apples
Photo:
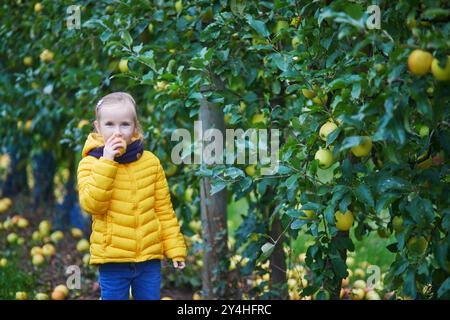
(359, 289)
(60, 292)
(325, 156)
(420, 62)
(10, 223)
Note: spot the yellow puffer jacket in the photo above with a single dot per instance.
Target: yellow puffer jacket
(133, 218)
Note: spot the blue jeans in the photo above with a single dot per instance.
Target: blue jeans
(144, 278)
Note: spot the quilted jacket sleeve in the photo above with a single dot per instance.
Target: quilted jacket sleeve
(173, 240)
(95, 180)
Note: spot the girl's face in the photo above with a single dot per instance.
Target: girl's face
(116, 119)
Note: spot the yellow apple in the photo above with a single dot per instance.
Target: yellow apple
(364, 148)
(58, 295)
(326, 129)
(38, 259)
(344, 221)
(45, 227)
(46, 55)
(372, 295)
(41, 296)
(250, 170)
(86, 259)
(36, 236)
(83, 245)
(12, 238)
(62, 288)
(419, 62)
(38, 7)
(22, 223)
(123, 65)
(196, 296)
(36, 250)
(57, 236)
(359, 273)
(325, 158)
(21, 295)
(76, 232)
(3, 262)
(28, 61)
(441, 74)
(188, 194)
(48, 250)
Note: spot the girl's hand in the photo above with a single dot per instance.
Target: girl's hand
(179, 264)
(112, 146)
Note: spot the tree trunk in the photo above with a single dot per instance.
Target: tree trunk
(16, 178)
(215, 283)
(278, 262)
(69, 212)
(278, 278)
(44, 167)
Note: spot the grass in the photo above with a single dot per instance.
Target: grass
(14, 279)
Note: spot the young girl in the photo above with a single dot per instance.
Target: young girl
(125, 189)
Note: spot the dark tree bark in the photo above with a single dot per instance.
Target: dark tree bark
(16, 179)
(214, 220)
(44, 167)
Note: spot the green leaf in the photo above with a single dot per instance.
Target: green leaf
(350, 142)
(364, 195)
(297, 224)
(409, 286)
(329, 215)
(233, 172)
(258, 25)
(267, 250)
(444, 288)
(127, 38)
(356, 90)
(332, 136)
(217, 186)
(339, 267)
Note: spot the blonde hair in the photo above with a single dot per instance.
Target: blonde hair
(115, 98)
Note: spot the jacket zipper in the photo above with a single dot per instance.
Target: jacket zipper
(136, 214)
